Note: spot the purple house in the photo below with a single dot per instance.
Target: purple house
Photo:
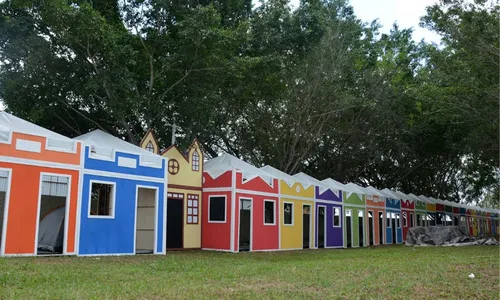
(328, 208)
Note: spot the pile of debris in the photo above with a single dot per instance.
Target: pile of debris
(444, 236)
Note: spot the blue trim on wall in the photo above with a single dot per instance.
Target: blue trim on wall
(112, 166)
(116, 236)
(392, 203)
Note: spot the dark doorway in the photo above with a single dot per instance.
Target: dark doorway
(321, 227)
(394, 227)
(245, 224)
(381, 228)
(370, 227)
(419, 220)
(361, 224)
(306, 225)
(411, 220)
(174, 223)
(348, 224)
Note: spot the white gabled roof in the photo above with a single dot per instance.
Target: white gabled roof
(226, 162)
(402, 195)
(417, 198)
(10, 122)
(321, 185)
(374, 191)
(103, 139)
(427, 199)
(289, 179)
(334, 184)
(389, 194)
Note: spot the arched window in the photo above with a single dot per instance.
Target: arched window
(196, 161)
(150, 147)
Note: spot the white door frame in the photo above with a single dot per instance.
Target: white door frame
(373, 226)
(310, 226)
(157, 190)
(5, 210)
(251, 221)
(324, 224)
(66, 210)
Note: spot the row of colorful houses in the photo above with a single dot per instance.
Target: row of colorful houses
(99, 195)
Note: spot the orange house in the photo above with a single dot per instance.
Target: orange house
(39, 180)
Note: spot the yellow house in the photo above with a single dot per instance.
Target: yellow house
(184, 192)
(297, 218)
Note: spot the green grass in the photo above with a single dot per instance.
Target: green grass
(382, 272)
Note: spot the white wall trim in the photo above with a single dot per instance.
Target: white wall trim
(225, 208)
(28, 146)
(113, 199)
(6, 210)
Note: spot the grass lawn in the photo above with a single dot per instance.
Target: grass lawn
(382, 272)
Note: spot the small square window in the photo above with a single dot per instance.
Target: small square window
(217, 209)
(269, 207)
(288, 213)
(101, 199)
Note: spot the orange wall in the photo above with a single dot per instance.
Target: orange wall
(45, 155)
(23, 207)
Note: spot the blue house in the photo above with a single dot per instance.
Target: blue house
(123, 190)
(394, 231)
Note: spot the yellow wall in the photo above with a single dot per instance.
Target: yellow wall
(291, 235)
(184, 181)
(150, 138)
(431, 207)
(192, 232)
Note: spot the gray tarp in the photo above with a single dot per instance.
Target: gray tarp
(51, 231)
(443, 236)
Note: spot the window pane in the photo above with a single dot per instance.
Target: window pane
(268, 212)
(388, 219)
(288, 212)
(217, 209)
(411, 219)
(100, 199)
(405, 221)
(336, 217)
(398, 220)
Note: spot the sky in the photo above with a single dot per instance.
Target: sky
(406, 13)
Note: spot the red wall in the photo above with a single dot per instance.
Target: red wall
(216, 235)
(264, 237)
(223, 180)
(407, 204)
(408, 217)
(256, 184)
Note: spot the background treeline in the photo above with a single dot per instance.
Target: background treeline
(312, 89)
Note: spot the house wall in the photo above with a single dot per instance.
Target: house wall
(22, 214)
(263, 237)
(355, 224)
(291, 235)
(216, 236)
(334, 235)
(399, 230)
(376, 204)
(116, 235)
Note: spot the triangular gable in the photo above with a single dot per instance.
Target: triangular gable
(226, 162)
(352, 188)
(375, 192)
(288, 179)
(313, 181)
(149, 139)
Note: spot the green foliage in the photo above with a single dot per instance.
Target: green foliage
(312, 89)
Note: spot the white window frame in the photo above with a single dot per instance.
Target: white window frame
(274, 212)
(405, 219)
(112, 202)
(388, 217)
(398, 220)
(293, 208)
(225, 208)
(333, 217)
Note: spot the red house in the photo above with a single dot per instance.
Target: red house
(407, 211)
(241, 207)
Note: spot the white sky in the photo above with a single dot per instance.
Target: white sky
(406, 13)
